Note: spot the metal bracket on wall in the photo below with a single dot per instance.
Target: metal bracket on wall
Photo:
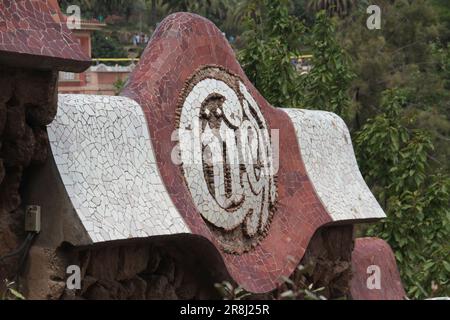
(33, 218)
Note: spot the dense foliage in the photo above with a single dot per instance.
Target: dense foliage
(416, 199)
(271, 40)
(106, 46)
(327, 86)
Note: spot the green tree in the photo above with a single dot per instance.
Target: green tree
(443, 10)
(332, 7)
(106, 46)
(395, 163)
(273, 38)
(271, 41)
(327, 86)
(405, 53)
(101, 8)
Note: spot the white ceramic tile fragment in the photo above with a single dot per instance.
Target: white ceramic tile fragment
(327, 152)
(104, 155)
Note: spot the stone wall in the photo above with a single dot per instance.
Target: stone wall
(175, 267)
(189, 269)
(28, 102)
(178, 267)
(326, 263)
(329, 255)
(145, 272)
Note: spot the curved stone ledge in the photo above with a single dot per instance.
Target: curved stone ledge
(105, 158)
(327, 152)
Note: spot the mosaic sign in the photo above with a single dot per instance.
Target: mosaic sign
(227, 158)
(192, 147)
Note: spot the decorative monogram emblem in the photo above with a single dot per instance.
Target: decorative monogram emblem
(226, 158)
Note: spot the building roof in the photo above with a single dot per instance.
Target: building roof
(33, 35)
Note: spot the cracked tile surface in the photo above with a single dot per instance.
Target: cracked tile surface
(327, 151)
(105, 158)
(32, 33)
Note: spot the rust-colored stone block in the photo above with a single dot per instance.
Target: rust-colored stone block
(375, 273)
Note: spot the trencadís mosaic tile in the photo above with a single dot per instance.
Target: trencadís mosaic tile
(105, 158)
(33, 34)
(326, 148)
